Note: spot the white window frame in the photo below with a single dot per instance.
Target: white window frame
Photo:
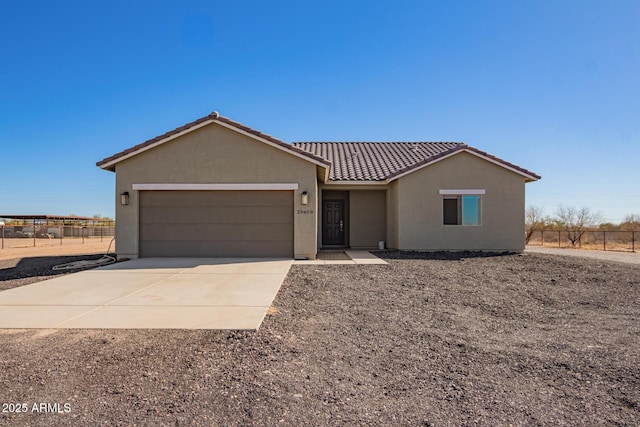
(457, 194)
(463, 192)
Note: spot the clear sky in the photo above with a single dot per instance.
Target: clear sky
(552, 86)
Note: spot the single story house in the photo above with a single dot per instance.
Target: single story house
(217, 188)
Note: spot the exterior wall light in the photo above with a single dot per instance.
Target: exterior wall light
(124, 198)
(305, 198)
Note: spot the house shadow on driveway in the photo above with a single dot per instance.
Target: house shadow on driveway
(180, 263)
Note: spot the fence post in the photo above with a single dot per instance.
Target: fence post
(558, 238)
(633, 241)
(604, 240)
(542, 237)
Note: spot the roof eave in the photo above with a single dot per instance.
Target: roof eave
(529, 176)
(281, 145)
(356, 182)
(109, 163)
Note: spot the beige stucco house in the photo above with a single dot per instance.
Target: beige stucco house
(215, 187)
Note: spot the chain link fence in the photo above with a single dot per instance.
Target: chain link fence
(624, 241)
(49, 234)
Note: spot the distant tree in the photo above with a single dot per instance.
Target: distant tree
(553, 224)
(576, 222)
(534, 220)
(97, 216)
(608, 226)
(631, 223)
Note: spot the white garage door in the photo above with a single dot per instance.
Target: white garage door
(216, 224)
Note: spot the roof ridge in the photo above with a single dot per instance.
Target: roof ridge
(378, 142)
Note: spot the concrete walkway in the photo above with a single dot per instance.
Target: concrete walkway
(627, 257)
(162, 293)
(356, 257)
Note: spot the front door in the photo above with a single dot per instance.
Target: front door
(333, 223)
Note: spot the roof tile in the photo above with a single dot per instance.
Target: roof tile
(375, 161)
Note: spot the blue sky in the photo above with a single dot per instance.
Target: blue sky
(553, 86)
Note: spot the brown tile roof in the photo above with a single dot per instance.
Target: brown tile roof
(348, 161)
(213, 117)
(379, 161)
(373, 161)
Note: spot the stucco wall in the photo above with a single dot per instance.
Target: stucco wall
(367, 218)
(392, 215)
(420, 222)
(215, 154)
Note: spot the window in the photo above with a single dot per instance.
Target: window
(461, 208)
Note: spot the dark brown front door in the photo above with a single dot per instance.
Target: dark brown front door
(333, 222)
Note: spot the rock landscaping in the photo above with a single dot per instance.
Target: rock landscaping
(430, 339)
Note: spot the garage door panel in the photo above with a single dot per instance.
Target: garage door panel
(253, 198)
(258, 232)
(175, 214)
(216, 232)
(252, 214)
(217, 198)
(216, 223)
(222, 214)
(165, 248)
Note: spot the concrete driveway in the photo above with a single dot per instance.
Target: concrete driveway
(162, 293)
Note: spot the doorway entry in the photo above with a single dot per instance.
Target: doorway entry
(334, 219)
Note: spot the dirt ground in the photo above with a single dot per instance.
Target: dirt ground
(438, 339)
(20, 248)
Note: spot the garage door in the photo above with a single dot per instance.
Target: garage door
(216, 224)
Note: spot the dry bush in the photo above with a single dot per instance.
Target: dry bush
(576, 221)
(534, 220)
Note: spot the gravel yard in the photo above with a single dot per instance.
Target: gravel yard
(24, 271)
(442, 339)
